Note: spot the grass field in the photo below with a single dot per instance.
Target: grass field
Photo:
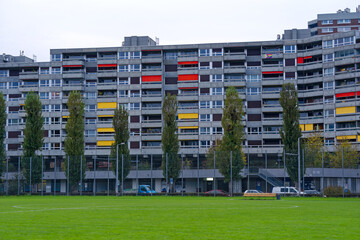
(61, 217)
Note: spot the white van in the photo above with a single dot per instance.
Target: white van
(285, 190)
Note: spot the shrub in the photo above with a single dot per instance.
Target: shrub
(335, 191)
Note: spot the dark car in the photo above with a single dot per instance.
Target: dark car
(217, 192)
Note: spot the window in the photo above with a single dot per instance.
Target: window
(135, 93)
(134, 106)
(123, 68)
(90, 133)
(329, 57)
(44, 71)
(217, 91)
(217, 78)
(328, 44)
(344, 53)
(123, 81)
(217, 104)
(204, 65)
(46, 146)
(205, 118)
(204, 130)
(327, 30)
(54, 133)
(55, 120)
(253, 78)
(4, 73)
(90, 121)
(343, 21)
(205, 144)
(55, 95)
(44, 83)
(123, 93)
(56, 82)
(45, 108)
(12, 122)
(123, 55)
(326, 22)
(328, 85)
(90, 108)
(343, 41)
(44, 95)
(135, 68)
(3, 85)
(204, 52)
(55, 57)
(134, 55)
(56, 70)
(253, 91)
(90, 95)
(329, 113)
(329, 141)
(344, 29)
(204, 104)
(217, 52)
(13, 85)
(329, 127)
(46, 120)
(328, 71)
(55, 108)
(217, 130)
(55, 146)
(290, 49)
(124, 105)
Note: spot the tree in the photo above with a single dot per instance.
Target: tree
(351, 155)
(33, 138)
(313, 150)
(290, 133)
(3, 117)
(233, 137)
(169, 140)
(74, 141)
(121, 137)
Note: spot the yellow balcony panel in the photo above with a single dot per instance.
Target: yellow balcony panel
(188, 116)
(302, 127)
(309, 127)
(189, 127)
(106, 105)
(346, 137)
(105, 115)
(65, 116)
(105, 143)
(345, 110)
(107, 130)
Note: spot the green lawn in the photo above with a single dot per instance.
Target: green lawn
(61, 217)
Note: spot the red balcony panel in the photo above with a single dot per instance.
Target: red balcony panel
(300, 60)
(182, 88)
(155, 78)
(348, 94)
(189, 77)
(72, 66)
(188, 63)
(273, 72)
(107, 65)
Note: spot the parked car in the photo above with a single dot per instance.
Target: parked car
(312, 192)
(217, 192)
(286, 190)
(253, 191)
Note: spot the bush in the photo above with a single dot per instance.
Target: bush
(335, 191)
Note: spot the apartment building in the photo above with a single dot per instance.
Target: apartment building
(341, 21)
(137, 75)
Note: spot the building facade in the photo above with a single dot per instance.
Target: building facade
(137, 75)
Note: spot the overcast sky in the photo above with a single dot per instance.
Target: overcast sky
(36, 26)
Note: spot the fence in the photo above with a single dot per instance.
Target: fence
(216, 173)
